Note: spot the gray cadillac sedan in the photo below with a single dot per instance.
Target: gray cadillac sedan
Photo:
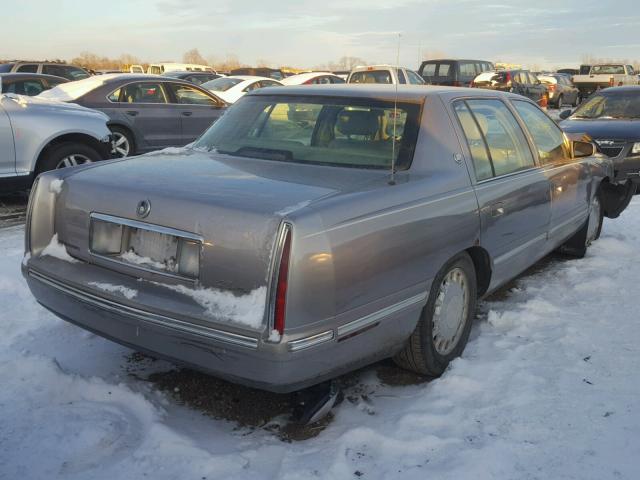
(314, 230)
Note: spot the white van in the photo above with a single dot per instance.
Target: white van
(160, 68)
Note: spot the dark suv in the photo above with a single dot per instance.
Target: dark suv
(454, 73)
(70, 72)
(522, 82)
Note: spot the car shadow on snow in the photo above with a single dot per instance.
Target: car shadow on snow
(250, 409)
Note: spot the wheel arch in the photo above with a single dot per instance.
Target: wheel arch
(482, 265)
(128, 129)
(615, 197)
(81, 138)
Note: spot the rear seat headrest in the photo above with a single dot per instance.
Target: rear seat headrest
(358, 122)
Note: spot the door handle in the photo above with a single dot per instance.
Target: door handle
(497, 210)
(187, 114)
(132, 113)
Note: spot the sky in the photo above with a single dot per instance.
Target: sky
(306, 33)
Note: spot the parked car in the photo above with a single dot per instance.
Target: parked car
(521, 82)
(455, 73)
(145, 112)
(280, 253)
(70, 72)
(160, 68)
(29, 84)
(561, 90)
(266, 72)
(384, 74)
(230, 89)
(611, 117)
(604, 76)
(343, 74)
(197, 78)
(38, 135)
(312, 78)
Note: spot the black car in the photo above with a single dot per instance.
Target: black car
(30, 84)
(611, 117)
(146, 112)
(70, 72)
(454, 73)
(522, 82)
(197, 78)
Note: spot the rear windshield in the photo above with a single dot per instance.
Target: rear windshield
(607, 70)
(6, 67)
(317, 130)
(221, 84)
(371, 76)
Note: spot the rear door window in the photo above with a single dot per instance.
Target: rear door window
(506, 144)
(467, 69)
(444, 70)
(24, 87)
(140, 92)
(29, 68)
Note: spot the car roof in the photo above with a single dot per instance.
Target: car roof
(307, 75)
(386, 92)
(31, 75)
(624, 88)
(455, 60)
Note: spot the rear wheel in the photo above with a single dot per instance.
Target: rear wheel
(577, 245)
(67, 155)
(123, 144)
(443, 329)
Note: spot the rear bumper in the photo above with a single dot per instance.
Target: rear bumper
(243, 359)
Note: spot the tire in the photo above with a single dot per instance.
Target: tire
(577, 245)
(67, 155)
(426, 351)
(576, 103)
(559, 103)
(124, 144)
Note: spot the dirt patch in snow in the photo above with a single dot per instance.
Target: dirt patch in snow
(248, 408)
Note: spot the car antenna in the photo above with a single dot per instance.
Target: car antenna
(392, 180)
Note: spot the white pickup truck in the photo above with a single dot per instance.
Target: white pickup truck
(603, 76)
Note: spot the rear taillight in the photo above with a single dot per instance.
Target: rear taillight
(507, 77)
(551, 87)
(456, 83)
(611, 82)
(282, 283)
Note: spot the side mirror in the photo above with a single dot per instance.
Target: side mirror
(582, 149)
(565, 114)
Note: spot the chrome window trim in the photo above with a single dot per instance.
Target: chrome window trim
(378, 315)
(145, 316)
(312, 341)
(219, 102)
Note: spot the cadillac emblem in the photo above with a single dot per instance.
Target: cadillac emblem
(143, 209)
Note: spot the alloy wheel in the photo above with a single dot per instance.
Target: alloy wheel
(73, 160)
(121, 145)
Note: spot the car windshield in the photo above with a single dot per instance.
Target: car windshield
(371, 76)
(619, 105)
(221, 84)
(317, 130)
(6, 67)
(607, 69)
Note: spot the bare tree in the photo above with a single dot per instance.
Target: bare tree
(262, 63)
(193, 56)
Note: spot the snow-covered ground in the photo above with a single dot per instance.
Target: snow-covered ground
(548, 388)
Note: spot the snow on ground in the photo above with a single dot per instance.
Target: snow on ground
(548, 388)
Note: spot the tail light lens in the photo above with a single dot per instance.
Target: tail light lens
(456, 83)
(507, 77)
(551, 87)
(611, 82)
(282, 284)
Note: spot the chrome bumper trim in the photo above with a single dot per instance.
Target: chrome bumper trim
(147, 317)
(375, 317)
(308, 342)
